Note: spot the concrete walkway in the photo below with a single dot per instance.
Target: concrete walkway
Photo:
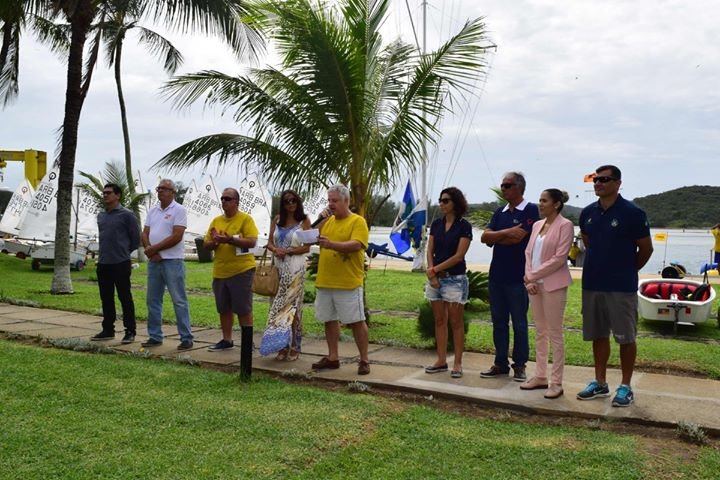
(661, 400)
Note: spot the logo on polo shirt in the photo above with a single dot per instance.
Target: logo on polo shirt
(614, 222)
(515, 221)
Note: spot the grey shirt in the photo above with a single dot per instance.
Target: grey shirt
(119, 235)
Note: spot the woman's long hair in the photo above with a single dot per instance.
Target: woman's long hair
(299, 211)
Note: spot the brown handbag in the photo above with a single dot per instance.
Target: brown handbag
(267, 277)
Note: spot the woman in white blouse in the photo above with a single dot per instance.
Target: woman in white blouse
(547, 277)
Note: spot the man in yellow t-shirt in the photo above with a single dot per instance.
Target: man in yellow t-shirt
(231, 236)
(341, 270)
(716, 233)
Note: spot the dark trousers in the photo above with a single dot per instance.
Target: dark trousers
(111, 277)
(508, 301)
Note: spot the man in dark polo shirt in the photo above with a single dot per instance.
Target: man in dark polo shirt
(617, 242)
(508, 234)
(119, 235)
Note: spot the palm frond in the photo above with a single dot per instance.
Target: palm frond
(230, 20)
(55, 36)
(162, 48)
(220, 149)
(9, 62)
(114, 172)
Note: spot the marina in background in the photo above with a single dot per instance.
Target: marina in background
(690, 248)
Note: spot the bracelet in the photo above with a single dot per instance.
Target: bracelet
(432, 270)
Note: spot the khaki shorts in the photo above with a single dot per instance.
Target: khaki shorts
(604, 312)
(334, 304)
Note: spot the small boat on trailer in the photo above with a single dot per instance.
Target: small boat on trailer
(681, 301)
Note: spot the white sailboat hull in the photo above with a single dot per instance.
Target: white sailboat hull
(674, 308)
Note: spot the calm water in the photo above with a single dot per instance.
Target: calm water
(690, 248)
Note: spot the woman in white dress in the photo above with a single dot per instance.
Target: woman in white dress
(284, 329)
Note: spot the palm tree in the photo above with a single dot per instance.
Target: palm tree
(15, 16)
(114, 172)
(342, 108)
(120, 18)
(218, 17)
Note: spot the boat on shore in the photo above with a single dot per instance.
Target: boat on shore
(681, 301)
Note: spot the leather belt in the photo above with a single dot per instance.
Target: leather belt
(442, 274)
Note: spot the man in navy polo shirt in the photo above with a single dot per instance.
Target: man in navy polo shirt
(508, 234)
(617, 242)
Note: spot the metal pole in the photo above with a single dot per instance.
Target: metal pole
(419, 265)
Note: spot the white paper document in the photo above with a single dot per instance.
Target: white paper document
(308, 236)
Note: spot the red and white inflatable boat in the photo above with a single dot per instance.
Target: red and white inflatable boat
(675, 300)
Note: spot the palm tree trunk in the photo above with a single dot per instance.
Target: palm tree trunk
(80, 20)
(126, 134)
(123, 116)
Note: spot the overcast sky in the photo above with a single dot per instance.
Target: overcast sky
(572, 85)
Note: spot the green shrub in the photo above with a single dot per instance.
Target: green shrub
(309, 296)
(478, 282)
(312, 265)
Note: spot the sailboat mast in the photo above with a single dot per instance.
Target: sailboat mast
(424, 165)
(419, 264)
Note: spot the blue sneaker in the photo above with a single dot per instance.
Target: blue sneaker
(594, 390)
(623, 396)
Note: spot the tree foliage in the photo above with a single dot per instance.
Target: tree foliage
(697, 206)
(343, 106)
(114, 172)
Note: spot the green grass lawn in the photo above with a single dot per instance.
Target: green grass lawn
(74, 415)
(390, 292)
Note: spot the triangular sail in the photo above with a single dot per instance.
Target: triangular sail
(87, 212)
(202, 205)
(40, 220)
(315, 204)
(17, 208)
(255, 201)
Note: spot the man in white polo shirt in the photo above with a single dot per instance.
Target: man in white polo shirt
(162, 238)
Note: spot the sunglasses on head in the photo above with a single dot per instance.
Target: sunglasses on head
(603, 179)
(227, 199)
(507, 185)
(290, 201)
(445, 200)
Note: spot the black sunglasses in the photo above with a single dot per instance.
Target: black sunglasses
(507, 185)
(227, 199)
(445, 200)
(603, 179)
(289, 201)
(110, 192)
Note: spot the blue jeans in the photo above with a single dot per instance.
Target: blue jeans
(509, 301)
(170, 274)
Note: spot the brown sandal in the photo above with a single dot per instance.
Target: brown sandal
(292, 355)
(282, 355)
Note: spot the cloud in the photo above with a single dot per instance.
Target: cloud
(572, 85)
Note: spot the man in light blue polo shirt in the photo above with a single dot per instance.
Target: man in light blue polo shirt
(617, 242)
(508, 233)
(162, 238)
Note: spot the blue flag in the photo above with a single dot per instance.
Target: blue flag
(407, 230)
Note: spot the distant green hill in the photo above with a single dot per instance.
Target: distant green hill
(687, 207)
